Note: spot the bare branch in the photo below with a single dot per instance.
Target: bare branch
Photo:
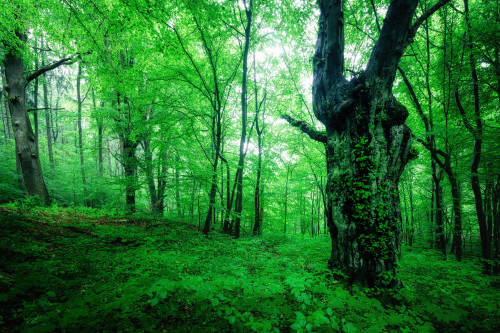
(306, 128)
(421, 19)
(434, 153)
(463, 114)
(415, 99)
(40, 71)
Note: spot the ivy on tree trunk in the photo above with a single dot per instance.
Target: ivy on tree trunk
(367, 143)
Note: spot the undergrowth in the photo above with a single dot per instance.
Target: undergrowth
(67, 270)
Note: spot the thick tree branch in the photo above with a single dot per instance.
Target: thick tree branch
(306, 128)
(297, 88)
(421, 19)
(44, 69)
(434, 153)
(391, 43)
(463, 114)
(413, 95)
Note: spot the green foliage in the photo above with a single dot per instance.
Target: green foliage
(80, 270)
(368, 208)
(9, 187)
(29, 203)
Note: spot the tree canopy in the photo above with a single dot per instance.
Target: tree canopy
(374, 124)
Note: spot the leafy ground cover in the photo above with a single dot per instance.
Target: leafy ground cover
(83, 271)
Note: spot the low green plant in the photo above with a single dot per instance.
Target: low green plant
(78, 271)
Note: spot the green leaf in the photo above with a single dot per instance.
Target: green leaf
(350, 328)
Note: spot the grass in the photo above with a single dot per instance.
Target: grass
(82, 271)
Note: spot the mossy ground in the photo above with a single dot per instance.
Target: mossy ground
(82, 271)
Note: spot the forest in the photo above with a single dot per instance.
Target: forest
(249, 165)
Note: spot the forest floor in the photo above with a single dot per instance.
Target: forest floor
(66, 270)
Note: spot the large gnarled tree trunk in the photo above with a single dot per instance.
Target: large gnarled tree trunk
(367, 143)
(26, 145)
(24, 136)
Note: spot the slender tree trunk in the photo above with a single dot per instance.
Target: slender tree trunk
(162, 179)
(199, 210)
(288, 171)
(431, 214)
(497, 68)
(411, 229)
(129, 168)
(244, 112)
(5, 130)
(259, 128)
(457, 211)
(221, 192)
(100, 126)
(35, 105)
(148, 159)
(496, 226)
(108, 151)
(213, 187)
(5, 103)
(488, 207)
(55, 128)
(432, 141)
(191, 211)
(438, 196)
(216, 94)
(26, 149)
(445, 164)
(404, 230)
(177, 185)
(312, 211)
(477, 133)
(226, 226)
(258, 193)
(48, 124)
(80, 135)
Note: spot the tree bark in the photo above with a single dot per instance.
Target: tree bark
(411, 229)
(477, 133)
(217, 126)
(445, 165)
(438, 196)
(35, 105)
(178, 185)
(148, 159)
(288, 172)
(367, 143)
(5, 103)
(108, 151)
(48, 123)
(162, 180)
(216, 94)
(227, 224)
(244, 112)
(4, 121)
(100, 127)
(80, 136)
(257, 227)
(496, 226)
(129, 167)
(26, 149)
